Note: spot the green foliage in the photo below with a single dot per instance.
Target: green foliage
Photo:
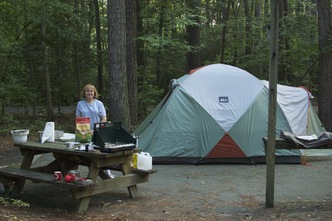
(18, 121)
(299, 49)
(149, 97)
(65, 122)
(14, 202)
(21, 64)
(7, 122)
(71, 46)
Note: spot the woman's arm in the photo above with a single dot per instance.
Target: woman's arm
(103, 119)
(78, 112)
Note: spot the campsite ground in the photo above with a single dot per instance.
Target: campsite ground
(187, 192)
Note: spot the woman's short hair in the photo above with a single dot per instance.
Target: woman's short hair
(96, 95)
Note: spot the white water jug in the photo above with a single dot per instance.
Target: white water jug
(144, 161)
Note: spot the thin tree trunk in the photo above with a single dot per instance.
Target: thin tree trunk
(247, 27)
(225, 13)
(48, 91)
(141, 60)
(76, 61)
(284, 72)
(140, 43)
(159, 54)
(31, 69)
(99, 51)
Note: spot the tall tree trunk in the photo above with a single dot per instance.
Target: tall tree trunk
(32, 73)
(193, 36)
(30, 66)
(284, 72)
(49, 107)
(247, 15)
(76, 60)
(208, 12)
(119, 110)
(141, 59)
(99, 51)
(159, 54)
(77, 69)
(131, 18)
(140, 43)
(325, 63)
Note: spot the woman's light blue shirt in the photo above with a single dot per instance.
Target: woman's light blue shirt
(95, 111)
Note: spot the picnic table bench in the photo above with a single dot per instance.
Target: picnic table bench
(66, 159)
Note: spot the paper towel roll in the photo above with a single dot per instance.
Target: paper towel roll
(48, 134)
(51, 126)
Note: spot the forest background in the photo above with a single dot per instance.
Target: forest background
(131, 49)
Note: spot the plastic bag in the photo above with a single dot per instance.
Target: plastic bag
(83, 133)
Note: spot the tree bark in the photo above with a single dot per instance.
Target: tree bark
(75, 60)
(32, 73)
(119, 110)
(131, 18)
(140, 44)
(159, 55)
(247, 15)
(225, 13)
(193, 36)
(325, 63)
(284, 72)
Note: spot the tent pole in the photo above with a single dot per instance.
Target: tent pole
(273, 78)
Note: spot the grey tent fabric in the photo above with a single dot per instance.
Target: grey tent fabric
(323, 139)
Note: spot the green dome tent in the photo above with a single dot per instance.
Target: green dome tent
(219, 114)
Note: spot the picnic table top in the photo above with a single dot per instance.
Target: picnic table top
(61, 147)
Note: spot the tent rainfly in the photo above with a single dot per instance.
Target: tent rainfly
(219, 114)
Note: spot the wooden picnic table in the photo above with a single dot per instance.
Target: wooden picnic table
(66, 159)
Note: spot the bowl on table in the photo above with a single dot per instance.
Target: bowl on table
(20, 136)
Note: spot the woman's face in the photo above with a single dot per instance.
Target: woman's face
(89, 93)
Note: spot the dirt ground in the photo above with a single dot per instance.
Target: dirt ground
(187, 192)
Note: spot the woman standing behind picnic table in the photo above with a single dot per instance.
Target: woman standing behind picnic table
(90, 106)
(93, 108)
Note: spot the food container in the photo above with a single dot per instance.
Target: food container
(20, 136)
(40, 135)
(58, 134)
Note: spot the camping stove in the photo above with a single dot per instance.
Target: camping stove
(111, 137)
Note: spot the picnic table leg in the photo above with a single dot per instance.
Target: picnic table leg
(83, 203)
(126, 169)
(26, 164)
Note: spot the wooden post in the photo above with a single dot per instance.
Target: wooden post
(273, 79)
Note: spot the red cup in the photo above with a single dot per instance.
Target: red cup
(57, 176)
